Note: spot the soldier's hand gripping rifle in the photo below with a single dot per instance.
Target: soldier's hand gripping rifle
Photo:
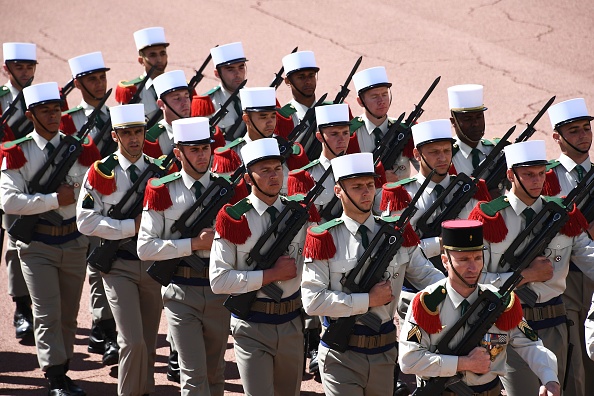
(282, 231)
(399, 134)
(9, 112)
(497, 174)
(218, 193)
(315, 148)
(129, 207)
(278, 77)
(380, 252)
(60, 162)
(490, 305)
(465, 188)
(230, 132)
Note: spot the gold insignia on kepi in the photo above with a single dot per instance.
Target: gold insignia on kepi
(527, 330)
(415, 334)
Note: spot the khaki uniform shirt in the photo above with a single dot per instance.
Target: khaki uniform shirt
(148, 97)
(5, 102)
(567, 174)
(219, 97)
(81, 116)
(166, 138)
(462, 160)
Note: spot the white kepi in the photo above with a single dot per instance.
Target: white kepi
(127, 116)
(353, 165)
(87, 64)
(191, 131)
(371, 78)
(302, 60)
(260, 150)
(432, 131)
(332, 115)
(530, 153)
(227, 54)
(258, 99)
(39, 94)
(19, 52)
(568, 111)
(466, 97)
(169, 82)
(150, 36)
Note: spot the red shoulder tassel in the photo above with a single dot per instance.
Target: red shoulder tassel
(319, 246)
(410, 237)
(152, 149)
(202, 106)
(156, 198)
(512, 315)
(482, 193)
(299, 160)
(67, 125)
(15, 158)
(235, 231)
(494, 229)
(240, 192)
(299, 182)
(8, 134)
(381, 172)
(225, 160)
(90, 152)
(576, 224)
(123, 94)
(104, 184)
(314, 215)
(551, 187)
(284, 125)
(353, 145)
(408, 149)
(219, 139)
(394, 198)
(452, 170)
(427, 320)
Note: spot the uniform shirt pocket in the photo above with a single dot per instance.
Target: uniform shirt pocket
(338, 269)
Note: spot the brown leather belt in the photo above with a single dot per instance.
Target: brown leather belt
(546, 312)
(372, 342)
(56, 231)
(274, 308)
(189, 272)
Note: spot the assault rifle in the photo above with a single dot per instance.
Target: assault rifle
(278, 77)
(465, 187)
(294, 216)
(490, 305)
(136, 97)
(497, 174)
(315, 148)
(198, 76)
(129, 207)
(66, 89)
(219, 192)
(9, 112)
(59, 162)
(230, 132)
(386, 244)
(222, 111)
(398, 135)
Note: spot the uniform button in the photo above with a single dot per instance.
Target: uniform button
(557, 258)
(343, 269)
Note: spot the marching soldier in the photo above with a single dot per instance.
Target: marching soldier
(89, 73)
(438, 307)
(368, 130)
(152, 51)
(504, 218)
(572, 132)
(54, 262)
(269, 343)
(197, 319)
(132, 294)
(20, 63)
(331, 251)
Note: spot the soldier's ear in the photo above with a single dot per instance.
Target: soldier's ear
(337, 190)
(287, 81)
(417, 154)
(28, 114)
(216, 73)
(245, 118)
(161, 104)
(556, 137)
(319, 137)
(247, 178)
(360, 102)
(510, 175)
(141, 60)
(114, 136)
(177, 153)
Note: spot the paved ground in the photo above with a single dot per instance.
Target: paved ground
(522, 51)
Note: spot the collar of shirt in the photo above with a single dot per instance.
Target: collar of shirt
(431, 186)
(41, 142)
(301, 108)
(456, 298)
(149, 82)
(189, 180)
(225, 92)
(325, 162)
(12, 89)
(168, 128)
(519, 206)
(371, 126)
(125, 163)
(570, 164)
(88, 109)
(353, 226)
(467, 150)
(261, 206)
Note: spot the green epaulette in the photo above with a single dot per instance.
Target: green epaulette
(388, 219)
(287, 110)
(17, 142)
(327, 102)
(156, 130)
(129, 83)
(487, 142)
(310, 165)
(240, 208)
(4, 91)
(455, 149)
(326, 226)
(235, 143)
(294, 198)
(108, 165)
(557, 200)
(356, 123)
(496, 205)
(212, 91)
(402, 182)
(166, 179)
(73, 110)
(552, 164)
(432, 300)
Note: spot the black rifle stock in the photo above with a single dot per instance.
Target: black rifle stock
(199, 74)
(296, 215)
(136, 97)
(222, 111)
(278, 77)
(61, 159)
(219, 192)
(497, 174)
(66, 89)
(9, 112)
(230, 132)
(388, 240)
(129, 207)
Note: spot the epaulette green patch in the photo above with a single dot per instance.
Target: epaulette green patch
(165, 179)
(388, 219)
(212, 91)
(239, 209)
(4, 91)
(487, 142)
(432, 300)
(402, 182)
(106, 167)
(214, 176)
(455, 149)
(552, 164)
(287, 110)
(159, 161)
(153, 134)
(17, 141)
(295, 149)
(527, 330)
(134, 81)
(326, 226)
(356, 123)
(235, 143)
(295, 198)
(88, 202)
(310, 165)
(73, 110)
(327, 102)
(496, 205)
(557, 200)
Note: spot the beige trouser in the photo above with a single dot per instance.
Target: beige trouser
(269, 356)
(98, 305)
(520, 380)
(357, 374)
(55, 275)
(199, 325)
(135, 300)
(16, 282)
(577, 298)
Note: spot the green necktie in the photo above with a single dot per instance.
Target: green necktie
(197, 189)
(133, 174)
(476, 159)
(465, 304)
(364, 237)
(439, 189)
(237, 106)
(528, 214)
(580, 171)
(377, 133)
(50, 148)
(99, 122)
(273, 212)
